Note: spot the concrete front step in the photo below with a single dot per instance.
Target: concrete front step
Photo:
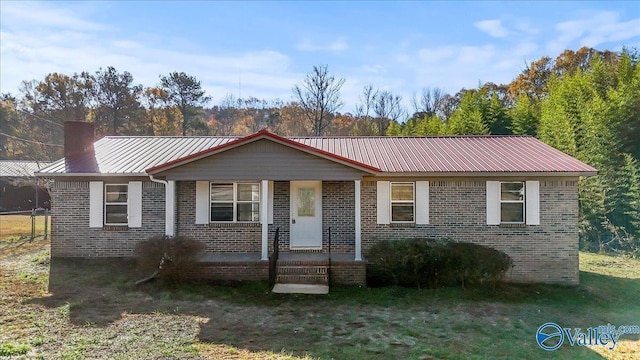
(303, 262)
(300, 289)
(302, 279)
(302, 270)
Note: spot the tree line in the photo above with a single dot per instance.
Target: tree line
(585, 103)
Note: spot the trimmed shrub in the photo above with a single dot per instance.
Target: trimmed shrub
(473, 264)
(175, 258)
(432, 263)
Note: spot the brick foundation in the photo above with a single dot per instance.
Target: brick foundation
(349, 273)
(233, 271)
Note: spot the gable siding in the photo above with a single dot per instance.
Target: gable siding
(263, 159)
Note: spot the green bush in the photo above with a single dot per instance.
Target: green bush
(175, 258)
(432, 263)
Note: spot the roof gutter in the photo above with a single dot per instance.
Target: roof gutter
(165, 182)
(51, 175)
(489, 174)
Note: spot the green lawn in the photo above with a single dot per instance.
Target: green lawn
(16, 227)
(95, 311)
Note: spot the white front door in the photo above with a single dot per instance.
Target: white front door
(306, 215)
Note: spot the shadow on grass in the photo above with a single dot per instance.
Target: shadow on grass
(248, 316)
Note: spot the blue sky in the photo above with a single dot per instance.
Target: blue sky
(262, 49)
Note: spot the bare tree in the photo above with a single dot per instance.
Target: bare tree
(227, 115)
(429, 103)
(367, 99)
(387, 107)
(319, 96)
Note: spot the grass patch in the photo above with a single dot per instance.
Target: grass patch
(17, 227)
(14, 349)
(94, 310)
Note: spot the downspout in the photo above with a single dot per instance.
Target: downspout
(170, 205)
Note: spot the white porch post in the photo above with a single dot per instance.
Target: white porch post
(264, 218)
(170, 208)
(357, 223)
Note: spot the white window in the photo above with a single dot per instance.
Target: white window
(402, 202)
(512, 202)
(235, 202)
(116, 204)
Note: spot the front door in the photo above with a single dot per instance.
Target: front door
(306, 215)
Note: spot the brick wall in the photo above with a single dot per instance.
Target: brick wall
(225, 238)
(349, 273)
(281, 215)
(543, 253)
(233, 271)
(337, 212)
(72, 236)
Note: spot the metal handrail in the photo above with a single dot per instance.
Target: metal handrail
(329, 267)
(273, 260)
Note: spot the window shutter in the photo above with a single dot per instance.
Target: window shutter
(270, 205)
(134, 204)
(532, 206)
(96, 204)
(203, 202)
(493, 202)
(422, 202)
(384, 202)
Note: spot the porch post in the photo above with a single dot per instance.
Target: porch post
(170, 210)
(357, 223)
(264, 218)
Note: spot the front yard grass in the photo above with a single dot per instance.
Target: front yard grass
(95, 311)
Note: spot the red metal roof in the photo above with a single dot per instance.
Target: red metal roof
(452, 153)
(392, 155)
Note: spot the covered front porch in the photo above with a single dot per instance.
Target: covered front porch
(236, 197)
(268, 249)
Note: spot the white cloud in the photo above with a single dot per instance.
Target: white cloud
(454, 67)
(593, 31)
(32, 47)
(492, 27)
(525, 27)
(43, 15)
(336, 46)
(373, 69)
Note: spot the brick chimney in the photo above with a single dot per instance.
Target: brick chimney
(78, 138)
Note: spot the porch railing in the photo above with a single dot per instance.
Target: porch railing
(329, 266)
(273, 259)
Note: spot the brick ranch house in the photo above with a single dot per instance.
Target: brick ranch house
(513, 193)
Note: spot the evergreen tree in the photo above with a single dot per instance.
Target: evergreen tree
(525, 116)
